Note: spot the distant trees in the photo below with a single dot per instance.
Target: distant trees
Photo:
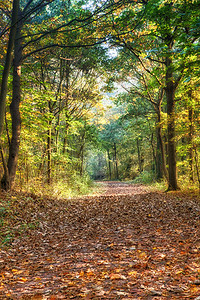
(162, 38)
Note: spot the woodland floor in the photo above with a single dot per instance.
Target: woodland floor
(128, 243)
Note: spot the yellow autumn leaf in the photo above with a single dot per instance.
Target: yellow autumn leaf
(90, 272)
(142, 255)
(118, 270)
(117, 276)
(132, 273)
(195, 289)
(8, 295)
(22, 279)
(17, 272)
(179, 272)
(38, 278)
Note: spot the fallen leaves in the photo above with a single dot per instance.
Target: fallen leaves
(17, 272)
(22, 279)
(129, 246)
(133, 274)
(117, 276)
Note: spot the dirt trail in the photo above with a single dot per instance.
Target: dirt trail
(127, 243)
(122, 188)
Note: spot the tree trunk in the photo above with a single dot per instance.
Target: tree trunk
(49, 153)
(116, 164)
(159, 168)
(82, 161)
(64, 145)
(65, 138)
(8, 61)
(154, 159)
(191, 146)
(197, 165)
(140, 157)
(57, 133)
(81, 152)
(14, 111)
(109, 164)
(5, 182)
(170, 95)
(161, 161)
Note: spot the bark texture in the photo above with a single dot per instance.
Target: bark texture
(15, 113)
(170, 95)
(191, 144)
(5, 182)
(14, 107)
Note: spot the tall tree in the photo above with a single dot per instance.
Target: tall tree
(4, 82)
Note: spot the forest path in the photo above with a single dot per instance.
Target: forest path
(121, 188)
(127, 243)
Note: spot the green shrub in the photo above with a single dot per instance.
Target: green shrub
(145, 177)
(72, 185)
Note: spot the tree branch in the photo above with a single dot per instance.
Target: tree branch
(63, 46)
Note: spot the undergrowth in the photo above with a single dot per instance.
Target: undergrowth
(148, 178)
(67, 187)
(145, 177)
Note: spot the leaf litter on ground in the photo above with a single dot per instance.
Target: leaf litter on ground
(128, 243)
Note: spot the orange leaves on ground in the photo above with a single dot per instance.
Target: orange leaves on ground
(90, 273)
(133, 274)
(107, 247)
(195, 290)
(17, 272)
(22, 279)
(117, 276)
(82, 273)
(142, 255)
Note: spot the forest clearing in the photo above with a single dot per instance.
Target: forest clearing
(126, 243)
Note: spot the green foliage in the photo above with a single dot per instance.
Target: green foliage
(145, 177)
(96, 164)
(70, 185)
